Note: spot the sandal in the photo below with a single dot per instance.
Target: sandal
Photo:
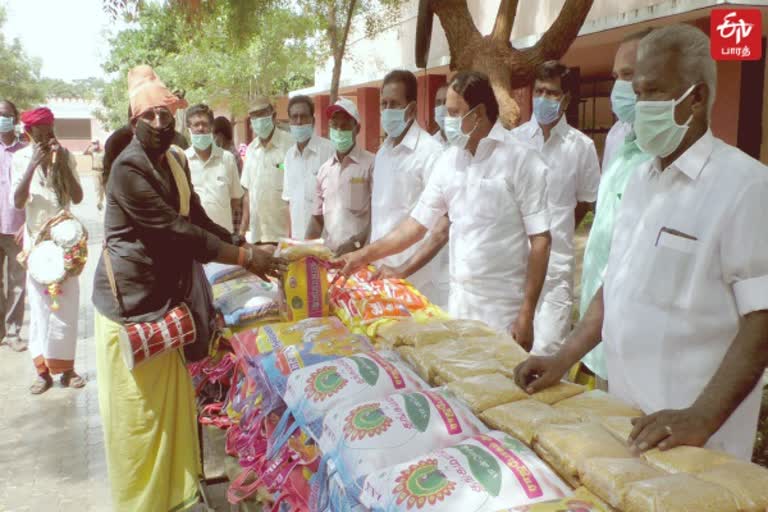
(17, 344)
(72, 380)
(42, 384)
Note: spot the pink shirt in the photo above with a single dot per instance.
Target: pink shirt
(343, 196)
(11, 219)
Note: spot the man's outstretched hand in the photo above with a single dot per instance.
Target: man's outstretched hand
(539, 372)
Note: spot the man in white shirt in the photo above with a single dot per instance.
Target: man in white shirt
(213, 170)
(440, 112)
(302, 163)
(493, 190)
(622, 95)
(265, 213)
(574, 174)
(684, 305)
(400, 173)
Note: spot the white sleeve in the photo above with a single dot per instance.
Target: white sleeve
(235, 189)
(432, 205)
(588, 176)
(744, 249)
(529, 184)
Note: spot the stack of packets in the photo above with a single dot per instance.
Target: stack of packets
(304, 287)
(246, 299)
(366, 305)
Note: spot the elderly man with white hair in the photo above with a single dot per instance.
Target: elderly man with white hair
(683, 308)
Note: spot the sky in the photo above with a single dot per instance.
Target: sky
(68, 35)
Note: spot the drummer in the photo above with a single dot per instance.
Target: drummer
(45, 181)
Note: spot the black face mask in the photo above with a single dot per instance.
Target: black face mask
(155, 141)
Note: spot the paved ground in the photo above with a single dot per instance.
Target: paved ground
(51, 446)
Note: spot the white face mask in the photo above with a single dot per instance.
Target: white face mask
(453, 132)
(440, 113)
(658, 134)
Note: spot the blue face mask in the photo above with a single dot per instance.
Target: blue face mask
(545, 110)
(440, 113)
(454, 133)
(393, 121)
(201, 141)
(623, 101)
(6, 124)
(302, 133)
(262, 126)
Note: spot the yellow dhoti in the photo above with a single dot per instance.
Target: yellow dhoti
(150, 430)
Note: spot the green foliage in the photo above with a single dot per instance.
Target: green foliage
(19, 73)
(84, 88)
(196, 52)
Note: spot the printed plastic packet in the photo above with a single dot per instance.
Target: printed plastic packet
(486, 473)
(244, 299)
(219, 272)
(304, 290)
(362, 437)
(312, 391)
(609, 477)
(524, 418)
(568, 447)
(581, 501)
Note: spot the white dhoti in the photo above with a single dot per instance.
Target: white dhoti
(497, 313)
(553, 318)
(53, 333)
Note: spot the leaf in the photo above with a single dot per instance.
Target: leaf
(369, 370)
(417, 408)
(484, 467)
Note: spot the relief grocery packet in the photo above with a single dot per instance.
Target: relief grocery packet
(361, 438)
(486, 473)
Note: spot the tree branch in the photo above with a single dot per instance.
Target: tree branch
(556, 41)
(347, 25)
(459, 27)
(505, 20)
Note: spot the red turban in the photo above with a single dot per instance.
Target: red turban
(38, 117)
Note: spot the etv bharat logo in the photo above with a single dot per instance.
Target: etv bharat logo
(736, 34)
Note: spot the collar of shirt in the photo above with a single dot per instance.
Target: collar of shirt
(216, 152)
(353, 156)
(14, 146)
(411, 138)
(692, 162)
(533, 128)
(311, 147)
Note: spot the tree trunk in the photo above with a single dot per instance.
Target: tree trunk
(507, 68)
(339, 45)
(336, 77)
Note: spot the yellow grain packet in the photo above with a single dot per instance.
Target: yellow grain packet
(581, 501)
(568, 447)
(748, 482)
(524, 418)
(609, 477)
(619, 426)
(686, 459)
(485, 391)
(678, 493)
(597, 403)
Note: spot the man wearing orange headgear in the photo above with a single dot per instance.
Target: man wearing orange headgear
(45, 181)
(157, 235)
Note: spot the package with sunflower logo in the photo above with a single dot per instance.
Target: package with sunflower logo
(312, 391)
(359, 438)
(485, 473)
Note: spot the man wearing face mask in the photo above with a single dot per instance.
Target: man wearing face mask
(493, 190)
(302, 163)
(213, 170)
(683, 308)
(156, 237)
(265, 213)
(572, 189)
(342, 210)
(11, 225)
(622, 95)
(400, 173)
(440, 112)
(621, 158)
